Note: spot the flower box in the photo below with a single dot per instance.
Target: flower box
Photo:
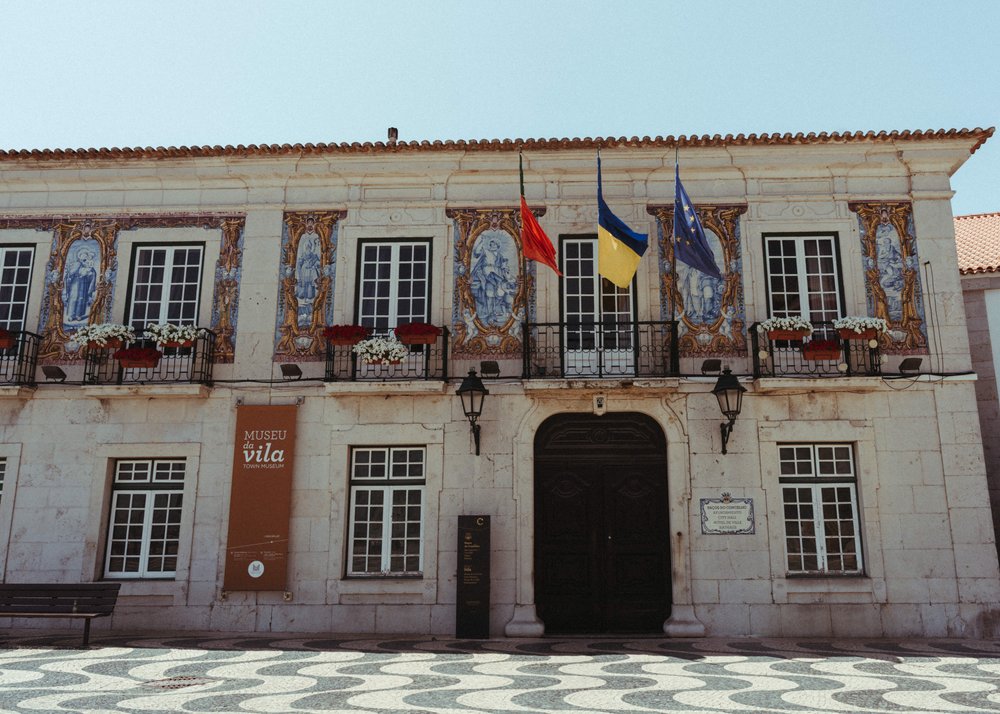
(822, 350)
(795, 335)
(138, 362)
(103, 336)
(138, 357)
(380, 350)
(860, 327)
(7, 339)
(417, 333)
(819, 355)
(785, 328)
(346, 334)
(848, 334)
(418, 339)
(166, 335)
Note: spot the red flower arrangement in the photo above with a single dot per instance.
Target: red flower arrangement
(7, 339)
(346, 334)
(131, 357)
(821, 349)
(417, 333)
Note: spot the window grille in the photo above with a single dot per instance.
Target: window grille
(144, 527)
(393, 284)
(819, 495)
(386, 523)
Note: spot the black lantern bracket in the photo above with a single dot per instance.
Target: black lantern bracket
(729, 392)
(472, 392)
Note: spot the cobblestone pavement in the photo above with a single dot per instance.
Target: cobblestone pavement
(298, 673)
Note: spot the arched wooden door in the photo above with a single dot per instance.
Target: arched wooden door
(602, 534)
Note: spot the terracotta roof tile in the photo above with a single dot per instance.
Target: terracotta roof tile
(979, 135)
(978, 240)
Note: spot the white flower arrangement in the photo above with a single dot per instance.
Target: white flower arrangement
(860, 323)
(785, 323)
(380, 350)
(163, 333)
(100, 334)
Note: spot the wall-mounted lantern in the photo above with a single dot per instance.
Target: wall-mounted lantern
(729, 392)
(472, 392)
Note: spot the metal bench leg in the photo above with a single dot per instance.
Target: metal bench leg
(86, 632)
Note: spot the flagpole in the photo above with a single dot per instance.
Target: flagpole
(673, 250)
(524, 260)
(525, 327)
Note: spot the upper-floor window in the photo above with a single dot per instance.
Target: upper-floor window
(820, 500)
(145, 520)
(803, 278)
(166, 285)
(598, 315)
(386, 523)
(15, 279)
(394, 283)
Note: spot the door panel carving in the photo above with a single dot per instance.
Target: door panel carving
(602, 550)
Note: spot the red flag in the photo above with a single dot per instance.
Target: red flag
(535, 244)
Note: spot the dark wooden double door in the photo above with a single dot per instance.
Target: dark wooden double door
(602, 535)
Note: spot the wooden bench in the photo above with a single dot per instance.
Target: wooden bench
(86, 600)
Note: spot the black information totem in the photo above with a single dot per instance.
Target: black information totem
(472, 606)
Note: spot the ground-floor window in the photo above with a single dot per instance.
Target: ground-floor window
(819, 495)
(144, 527)
(386, 523)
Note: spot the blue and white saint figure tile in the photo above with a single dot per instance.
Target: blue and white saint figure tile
(493, 277)
(80, 281)
(307, 274)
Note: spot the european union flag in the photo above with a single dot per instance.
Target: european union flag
(690, 244)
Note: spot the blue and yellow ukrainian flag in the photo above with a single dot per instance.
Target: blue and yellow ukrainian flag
(619, 248)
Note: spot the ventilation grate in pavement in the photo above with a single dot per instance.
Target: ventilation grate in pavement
(178, 682)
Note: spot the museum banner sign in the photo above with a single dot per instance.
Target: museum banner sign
(260, 504)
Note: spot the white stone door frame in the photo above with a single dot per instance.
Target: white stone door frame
(667, 411)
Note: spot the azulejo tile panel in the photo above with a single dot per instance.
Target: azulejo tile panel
(307, 280)
(711, 314)
(892, 274)
(82, 270)
(494, 289)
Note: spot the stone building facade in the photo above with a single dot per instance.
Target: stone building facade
(850, 500)
(978, 241)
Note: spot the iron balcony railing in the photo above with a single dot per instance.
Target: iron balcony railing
(18, 357)
(423, 361)
(824, 353)
(607, 348)
(190, 364)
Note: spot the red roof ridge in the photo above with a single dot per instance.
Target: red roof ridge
(241, 150)
(977, 215)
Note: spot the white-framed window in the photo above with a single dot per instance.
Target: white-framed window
(145, 519)
(803, 277)
(10, 460)
(394, 283)
(820, 500)
(166, 285)
(387, 511)
(598, 315)
(15, 280)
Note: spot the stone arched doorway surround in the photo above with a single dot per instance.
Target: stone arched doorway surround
(667, 410)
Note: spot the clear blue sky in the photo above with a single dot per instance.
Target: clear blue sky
(179, 72)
